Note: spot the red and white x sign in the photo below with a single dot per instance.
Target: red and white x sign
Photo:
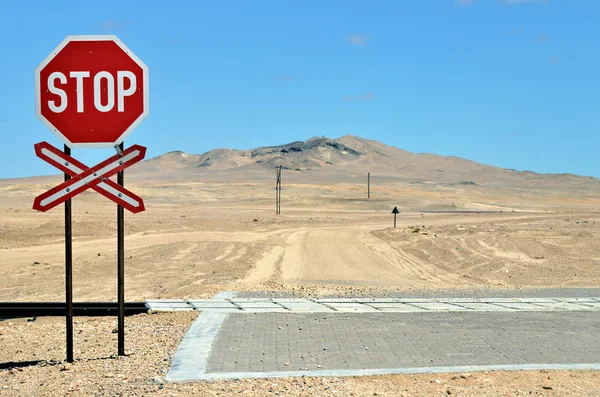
(84, 178)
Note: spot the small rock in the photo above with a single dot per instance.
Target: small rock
(319, 366)
(547, 387)
(109, 375)
(99, 254)
(65, 367)
(436, 381)
(115, 331)
(466, 375)
(157, 380)
(286, 364)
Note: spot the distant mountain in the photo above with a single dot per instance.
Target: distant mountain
(345, 159)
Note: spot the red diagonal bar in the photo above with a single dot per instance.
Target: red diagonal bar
(89, 178)
(73, 167)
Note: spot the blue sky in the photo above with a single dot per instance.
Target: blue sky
(512, 83)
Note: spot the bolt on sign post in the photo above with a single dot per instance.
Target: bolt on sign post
(395, 212)
(91, 91)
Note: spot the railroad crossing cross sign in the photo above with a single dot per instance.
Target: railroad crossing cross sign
(83, 178)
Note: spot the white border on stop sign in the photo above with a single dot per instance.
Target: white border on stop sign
(38, 102)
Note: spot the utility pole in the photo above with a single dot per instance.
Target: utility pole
(278, 191)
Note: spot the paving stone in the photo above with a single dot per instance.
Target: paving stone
(338, 340)
(438, 306)
(523, 306)
(201, 304)
(483, 307)
(566, 306)
(380, 304)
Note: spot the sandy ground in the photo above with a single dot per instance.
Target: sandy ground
(198, 239)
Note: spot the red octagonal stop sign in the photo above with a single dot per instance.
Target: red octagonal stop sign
(91, 91)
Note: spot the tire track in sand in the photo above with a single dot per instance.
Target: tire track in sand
(353, 255)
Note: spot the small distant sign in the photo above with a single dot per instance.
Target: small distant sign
(395, 212)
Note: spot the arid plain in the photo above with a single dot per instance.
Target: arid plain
(206, 231)
(210, 226)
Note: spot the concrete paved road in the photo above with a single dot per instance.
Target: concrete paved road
(239, 343)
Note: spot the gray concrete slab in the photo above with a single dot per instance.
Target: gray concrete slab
(207, 303)
(392, 371)
(272, 342)
(169, 306)
(523, 306)
(439, 306)
(282, 337)
(193, 352)
(379, 304)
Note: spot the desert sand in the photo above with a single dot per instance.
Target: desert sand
(210, 227)
(197, 239)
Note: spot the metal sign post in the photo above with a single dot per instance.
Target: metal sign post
(92, 91)
(369, 185)
(69, 268)
(395, 212)
(121, 261)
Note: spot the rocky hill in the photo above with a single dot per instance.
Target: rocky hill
(345, 160)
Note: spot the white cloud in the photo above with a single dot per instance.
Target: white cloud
(357, 39)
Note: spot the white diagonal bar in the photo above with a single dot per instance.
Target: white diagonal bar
(101, 185)
(82, 182)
